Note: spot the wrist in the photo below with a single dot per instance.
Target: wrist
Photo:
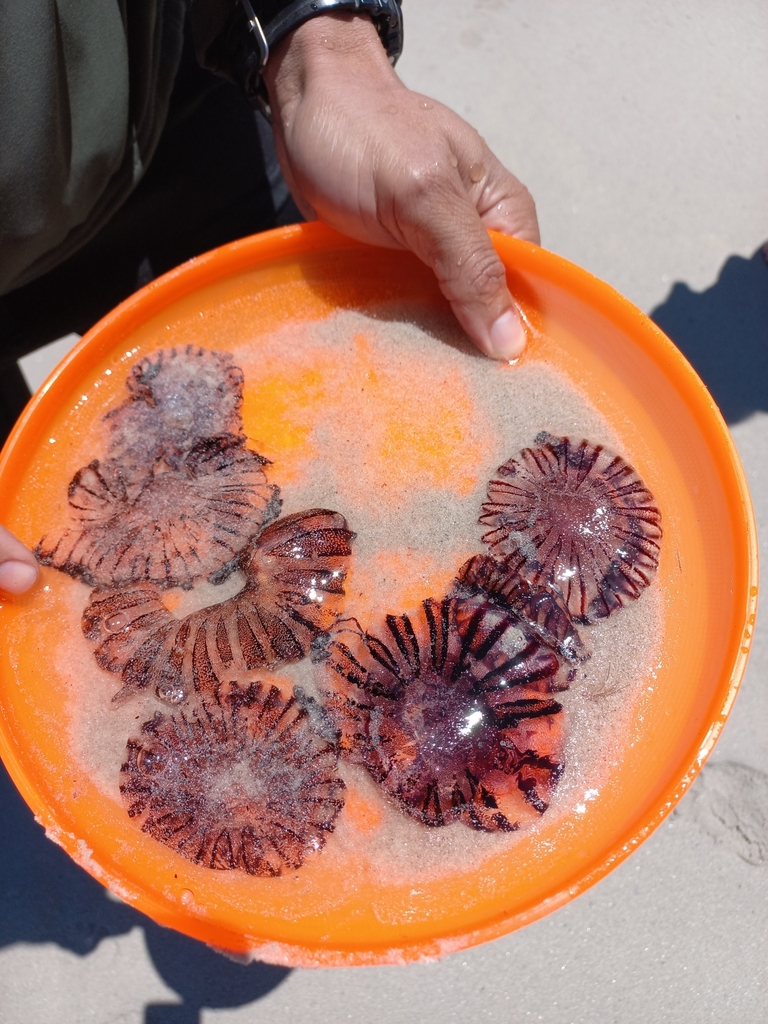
(330, 46)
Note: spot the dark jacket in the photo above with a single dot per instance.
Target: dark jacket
(84, 90)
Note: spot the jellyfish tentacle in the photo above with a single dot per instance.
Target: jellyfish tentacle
(510, 713)
(401, 631)
(533, 666)
(438, 620)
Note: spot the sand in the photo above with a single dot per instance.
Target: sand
(398, 426)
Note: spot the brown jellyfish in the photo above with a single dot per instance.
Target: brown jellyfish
(248, 786)
(194, 514)
(541, 608)
(295, 573)
(177, 397)
(449, 710)
(576, 517)
(294, 591)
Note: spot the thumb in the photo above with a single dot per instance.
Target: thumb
(452, 240)
(18, 568)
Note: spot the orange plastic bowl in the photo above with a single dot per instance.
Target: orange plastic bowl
(636, 378)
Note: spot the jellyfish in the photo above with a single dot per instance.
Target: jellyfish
(177, 397)
(247, 786)
(449, 710)
(578, 518)
(294, 591)
(194, 514)
(540, 607)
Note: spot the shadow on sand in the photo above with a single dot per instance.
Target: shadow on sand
(46, 897)
(723, 331)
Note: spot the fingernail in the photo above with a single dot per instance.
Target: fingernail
(507, 336)
(16, 577)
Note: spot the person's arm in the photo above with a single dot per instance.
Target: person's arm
(18, 568)
(392, 167)
(388, 166)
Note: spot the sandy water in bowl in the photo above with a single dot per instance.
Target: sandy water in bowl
(399, 427)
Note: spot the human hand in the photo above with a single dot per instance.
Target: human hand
(393, 168)
(18, 568)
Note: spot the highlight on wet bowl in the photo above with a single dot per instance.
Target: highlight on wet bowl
(366, 648)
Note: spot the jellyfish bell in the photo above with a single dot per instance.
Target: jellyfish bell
(176, 396)
(294, 591)
(575, 517)
(194, 514)
(449, 710)
(247, 786)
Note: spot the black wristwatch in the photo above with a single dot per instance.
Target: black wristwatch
(235, 37)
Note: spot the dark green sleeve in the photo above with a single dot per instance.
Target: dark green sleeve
(84, 90)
